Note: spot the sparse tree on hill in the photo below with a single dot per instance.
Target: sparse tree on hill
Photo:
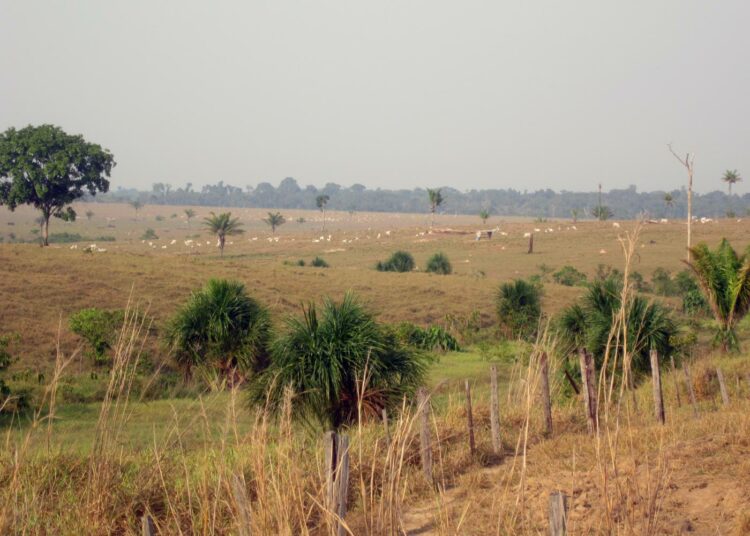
(189, 214)
(436, 199)
(49, 169)
(274, 219)
(321, 201)
(137, 206)
(222, 225)
(484, 214)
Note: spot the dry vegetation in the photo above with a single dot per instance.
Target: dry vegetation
(194, 461)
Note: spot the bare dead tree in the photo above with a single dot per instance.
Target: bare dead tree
(688, 163)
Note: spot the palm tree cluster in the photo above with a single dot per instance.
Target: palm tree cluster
(592, 324)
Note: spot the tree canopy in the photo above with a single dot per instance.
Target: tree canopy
(47, 168)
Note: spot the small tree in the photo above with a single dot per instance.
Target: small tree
(341, 364)
(668, 203)
(137, 206)
(575, 213)
(189, 214)
(321, 201)
(484, 215)
(98, 328)
(222, 225)
(220, 326)
(519, 306)
(274, 219)
(49, 169)
(436, 199)
(602, 213)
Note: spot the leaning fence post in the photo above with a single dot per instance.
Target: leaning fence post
(342, 483)
(722, 386)
(676, 383)
(546, 401)
(589, 390)
(330, 463)
(558, 513)
(656, 380)
(424, 436)
(240, 497)
(147, 526)
(470, 419)
(691, 391)
(494, 410)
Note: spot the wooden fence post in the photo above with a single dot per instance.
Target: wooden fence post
(691, 391)
(588, 375)
(494, 411)
(470, 420)
(425, 439)
(531, 243)
(676, 383)
(558, 513)
(546, 401)
(243, 508)
(656, 381)
(722, 386)
(147, 526)
(330, 462)
(342, 483)
(386, 428)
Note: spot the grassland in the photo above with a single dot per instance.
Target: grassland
(73, 471)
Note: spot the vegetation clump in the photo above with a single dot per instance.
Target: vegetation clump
(319, 262)
(149, 234)
(569, 276)
(99, 329)
(400, 261)
(433, 338)
(519, 305)
(439, 264)
(222, 328)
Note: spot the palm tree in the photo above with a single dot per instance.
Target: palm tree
(274, 220)
(731, 177)
(590, 323)
(724, 279)
(484, 214)
(575, 213)
(338, 362)
(222, 226)
(519, 306)
(668, 202)
(137, 205)
(436, 199)
(321, 201)
(189, 214)
(220, 326)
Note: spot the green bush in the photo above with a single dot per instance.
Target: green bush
(319, 263)
(104, 238)
(439, 264)
(569, 276)
(149, 234)
(99, 328)
(400, 261)
(431, 338)
(662, 283)
(519, 306)
(65, 238)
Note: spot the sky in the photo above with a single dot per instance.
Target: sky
(392, 94)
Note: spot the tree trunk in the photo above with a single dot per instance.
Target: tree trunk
(221, 245)
(45, 229)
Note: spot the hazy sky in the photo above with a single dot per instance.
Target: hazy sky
(498, 94)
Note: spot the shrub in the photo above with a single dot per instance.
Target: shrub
(324, 357)
(431, 338)
(65, 238)
(159, 218)
(638, 283)
(149, 234)
(518, 306)
(319, 263)
(439, 264)
(569, 276)
(301, 262)
(6, 358)
(662, 283)
(222, 328)
(400, 261)
(98, 328)
(104, 238)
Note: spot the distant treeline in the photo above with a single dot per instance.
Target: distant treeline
(624, 204)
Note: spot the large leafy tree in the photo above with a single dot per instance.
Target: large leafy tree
(337, 361)
(49, 169)
(724, 278)
(220, 326)
(436, 199)
(222, 225)
(590, 324)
